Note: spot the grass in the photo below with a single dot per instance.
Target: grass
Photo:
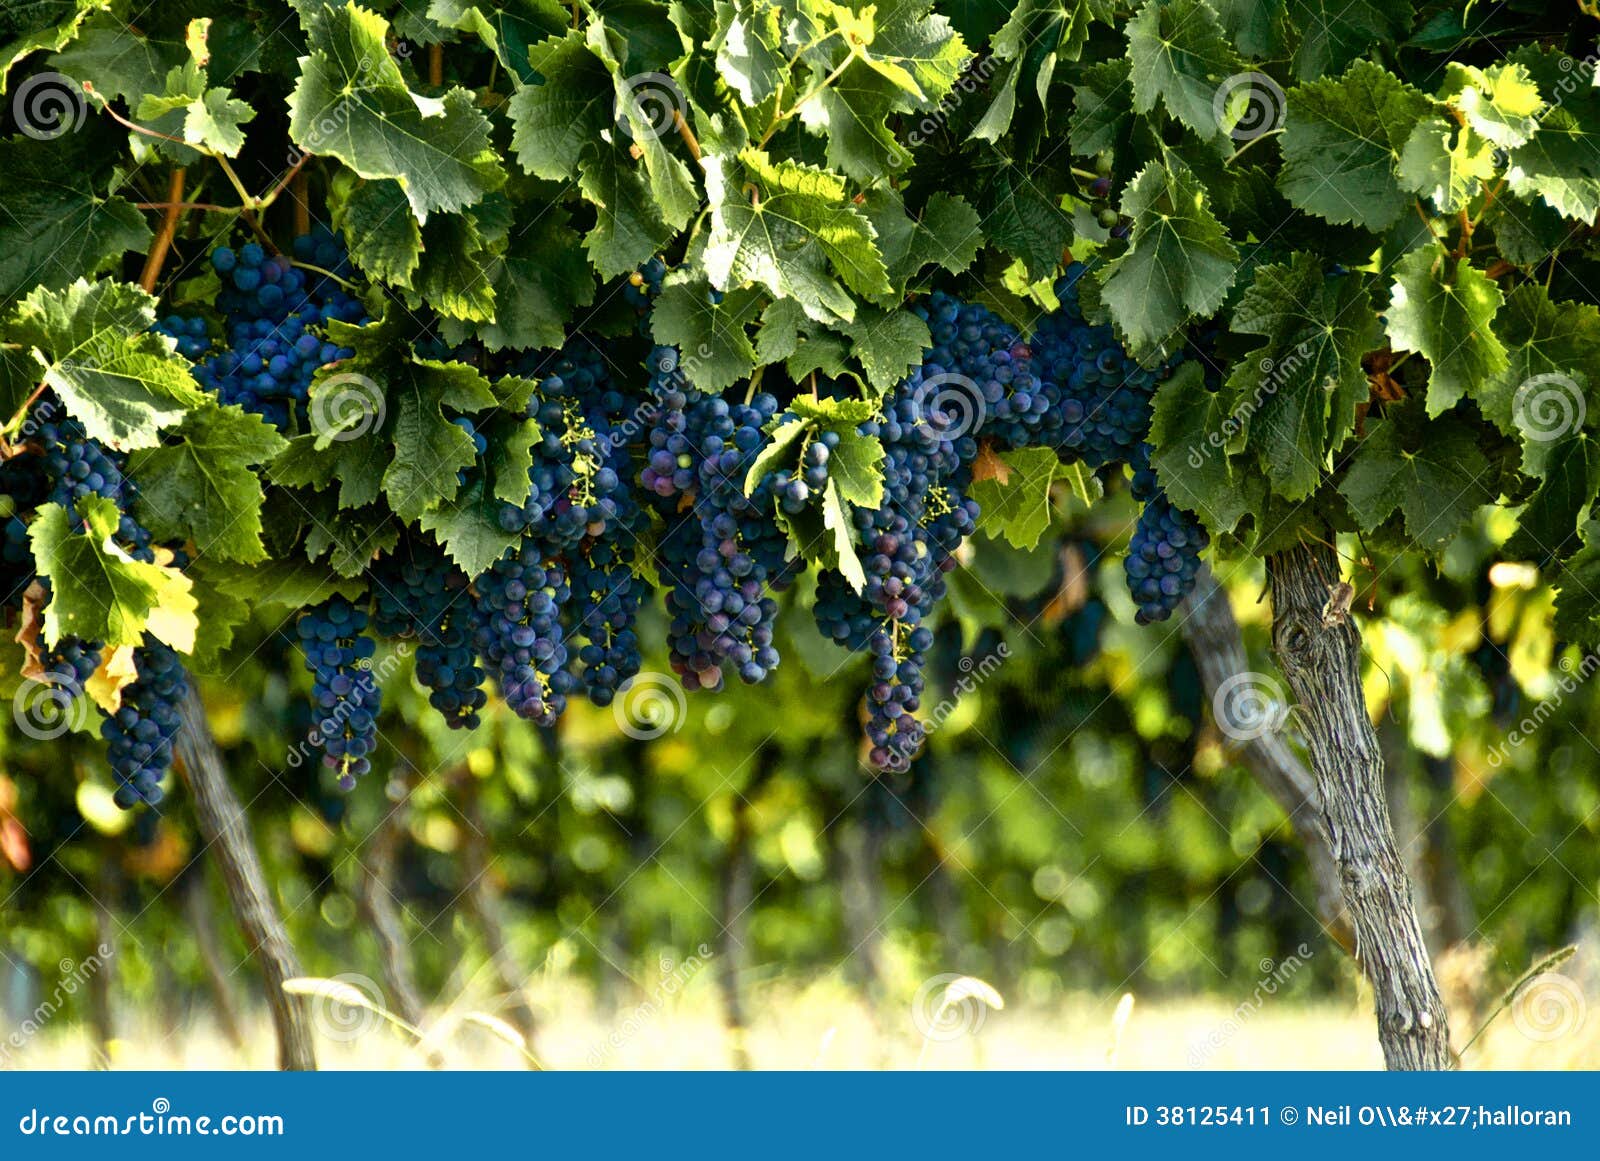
(826, 1025)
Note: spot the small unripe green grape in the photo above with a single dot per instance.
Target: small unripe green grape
(1108, 218)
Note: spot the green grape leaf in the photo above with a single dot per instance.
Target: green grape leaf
(507, 27)
(56, 224)
(1444, 308)
(1179, 54)
(1022, 214)
(467, 526)
(887, 343)
(836, 519)
(378, 426)
(30, 26)
(856, 467)
(1343, 139)
(1015, 503)
(539, 283)
(1179, 262)
(277, 584)
(1256, 27)
(710, 336)
(1191, 431)
(780, 444)
(351, 539)
(1577, 616)
(1297, 395)
(1102, 107)
(750, 53)
(202, 488)
(1445, 162)
(1553, 360)
(571, 106)
(211, 118)
(803, 238)
(99, 592)
(1561, 162)
(628, 229)
(1436, 478)
(1501, 103)
(375, 217)
(121, 382)
(352, 103)
(1547, 527)
(949, 233)
(1335, 32)
(453, 275)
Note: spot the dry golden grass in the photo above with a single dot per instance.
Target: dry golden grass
(828, 1026)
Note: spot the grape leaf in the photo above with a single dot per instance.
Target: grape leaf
(801, 239)
(1179, 54)
(1297, 395)
(453, 274)
(507, 27)
(1445, 162)
(1191, 430)
(750, 52)
(1342, 140)
(1444, 309)
(121, 382)
(99, 592)
(570, 107)
(468, 527)
(1102, 107)
(1434, 475)
(1547, 527)
(56, 224)
(1577, 617)
(1501, 103)
(856, 466)
(352, 103)
(1335, 32)
(211, 118)
(1018, 508)
(201, 489)
(375, 218)
(539, 282)
(1256, 27)
(836, 519)
(351, 539)
(710, 336)
(781, 442)
(1561, 162)
(628, 229)
(39, 24)
(887, 343)
(1553, 359)
(1179, 261)
(277, 584)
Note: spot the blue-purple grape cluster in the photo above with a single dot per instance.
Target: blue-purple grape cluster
(1164, 554)
(274, 312)
(338, 653)
(139, 735)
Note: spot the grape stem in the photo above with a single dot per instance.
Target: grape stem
(1239, 152)
(157, 258)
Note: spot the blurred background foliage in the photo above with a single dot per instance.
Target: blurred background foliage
(1076, 825)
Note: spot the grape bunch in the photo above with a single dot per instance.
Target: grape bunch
(274, 314)
(139, 735)
(1164, 554)
(338, 653)
(519, 633)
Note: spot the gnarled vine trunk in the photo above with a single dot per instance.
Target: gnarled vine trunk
(227, 836)
(1212, 633)
(1319, 650)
